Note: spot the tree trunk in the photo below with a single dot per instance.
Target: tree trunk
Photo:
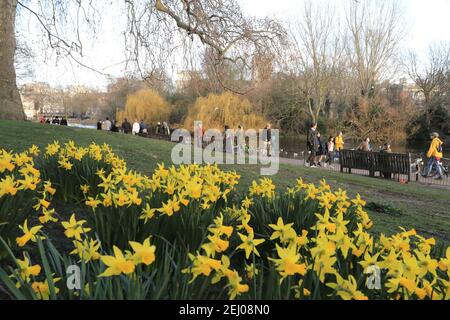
(10, 101)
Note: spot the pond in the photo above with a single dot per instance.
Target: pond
(82, 126)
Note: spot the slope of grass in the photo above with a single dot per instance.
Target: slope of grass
(424, 208)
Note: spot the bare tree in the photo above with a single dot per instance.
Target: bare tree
(375, 33)
(52, 16)
(431, 75)
(317, 52)
(219, 25)
(156, 30)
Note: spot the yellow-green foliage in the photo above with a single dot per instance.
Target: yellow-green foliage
(216, 111)
(145, 105)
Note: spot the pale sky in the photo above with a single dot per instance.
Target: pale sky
(429, 22)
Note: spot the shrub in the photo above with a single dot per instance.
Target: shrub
(145, 105)
(216, 111)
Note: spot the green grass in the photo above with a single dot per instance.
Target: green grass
(424, 208)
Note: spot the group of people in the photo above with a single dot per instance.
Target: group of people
(54, 120)
(138, 127)
(327, 152)
(107, 125)
(320, 151)
(235, 140)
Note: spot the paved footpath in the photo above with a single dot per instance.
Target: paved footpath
(335, 167)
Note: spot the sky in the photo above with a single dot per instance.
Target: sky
(428, 21)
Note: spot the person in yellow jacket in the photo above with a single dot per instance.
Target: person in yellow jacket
(434, 155)
(339, 142)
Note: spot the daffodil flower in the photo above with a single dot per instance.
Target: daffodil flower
(28, 234)
(249, 244)
(117, 264)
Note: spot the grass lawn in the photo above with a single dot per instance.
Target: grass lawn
(424, 208)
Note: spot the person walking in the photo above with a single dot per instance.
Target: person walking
(386, 149)
(312, 145)
(321, 151)
(330, 151)
(136, 127)
(434, 155)
(267, 138)
(339, 143)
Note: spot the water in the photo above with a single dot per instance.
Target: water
(82, 126)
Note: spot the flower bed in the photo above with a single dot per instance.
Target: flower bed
(185, 233)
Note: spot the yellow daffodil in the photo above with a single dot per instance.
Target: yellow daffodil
(288, 262)
(8, 186)
(85, 188)
(283, 232)
(249, 244)
(48, 188)
(87, 250)
(358, 201)
(28, 234)
(143, 253)
(235, 286)
(148, 213)
(26, 270)
(202, 265)
(93, 202)
(47, 215)
(42, 289)
(347, 289)
(74, 228)
(117, 264)
(6, 162)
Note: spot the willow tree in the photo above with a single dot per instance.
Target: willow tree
(226, 109)
(155, 31)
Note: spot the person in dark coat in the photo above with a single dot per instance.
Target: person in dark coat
(55, 120)
(99, 125)
(64, 122)
(114, 127)
(126, 126)
(386, 149)
(321, 151)
(312, 145)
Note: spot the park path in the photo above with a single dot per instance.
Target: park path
(415, 178)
